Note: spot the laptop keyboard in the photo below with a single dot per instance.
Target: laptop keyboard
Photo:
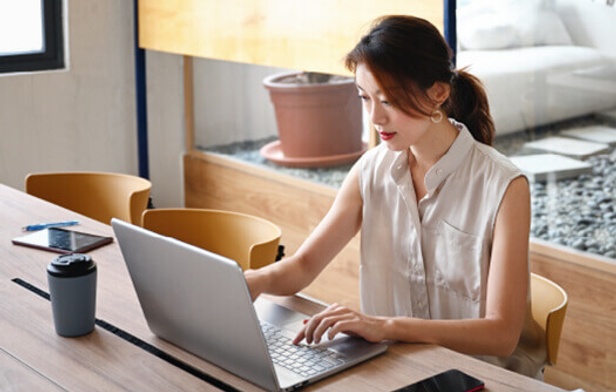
(301, 359)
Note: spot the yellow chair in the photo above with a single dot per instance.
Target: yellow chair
(549, 305)
(249, 240)
(98, 195)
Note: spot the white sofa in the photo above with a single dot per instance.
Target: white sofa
(541, 61)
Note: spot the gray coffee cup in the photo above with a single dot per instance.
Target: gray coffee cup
(72, 286)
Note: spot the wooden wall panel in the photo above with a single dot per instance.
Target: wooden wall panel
(310, 35)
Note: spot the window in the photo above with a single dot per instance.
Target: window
(31, 35)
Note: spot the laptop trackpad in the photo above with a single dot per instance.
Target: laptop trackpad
(279, 315)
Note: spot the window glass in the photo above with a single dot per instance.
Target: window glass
(31, 35)
(21, 27)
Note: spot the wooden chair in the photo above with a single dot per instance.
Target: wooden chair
(98, 195)
(251, 241)
(549, 305)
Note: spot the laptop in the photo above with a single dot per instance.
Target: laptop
(199, 301)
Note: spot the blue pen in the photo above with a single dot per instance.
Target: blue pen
(41, 226)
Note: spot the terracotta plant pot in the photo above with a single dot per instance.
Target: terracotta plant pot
(318, 117)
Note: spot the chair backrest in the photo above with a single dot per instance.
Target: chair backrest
(98, 195)
(247, 239)
(549, 305)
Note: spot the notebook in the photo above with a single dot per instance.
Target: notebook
(199, 300)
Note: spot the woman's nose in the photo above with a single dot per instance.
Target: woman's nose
(377, 115)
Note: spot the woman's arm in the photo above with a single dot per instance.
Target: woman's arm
(337, 228)
(496, 334)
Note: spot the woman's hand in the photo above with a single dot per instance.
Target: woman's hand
(336, 319)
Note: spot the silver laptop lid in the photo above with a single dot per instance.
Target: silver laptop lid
(186, 293)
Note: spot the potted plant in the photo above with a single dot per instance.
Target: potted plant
(319, 119)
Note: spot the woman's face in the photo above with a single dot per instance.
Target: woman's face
(398, 130)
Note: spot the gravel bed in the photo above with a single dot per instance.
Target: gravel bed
(248, 151)
(579, 212)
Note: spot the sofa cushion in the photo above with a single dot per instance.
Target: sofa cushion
(502, 24)
(542, 28)
(487, 32)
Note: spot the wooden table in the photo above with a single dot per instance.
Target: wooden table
(122, 354)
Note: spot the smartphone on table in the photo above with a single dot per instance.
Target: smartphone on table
(452, 380)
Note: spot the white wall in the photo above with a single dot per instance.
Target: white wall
(83, 118)
(231, 103)
(165, 96)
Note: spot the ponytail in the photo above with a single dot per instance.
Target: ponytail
(468, 103)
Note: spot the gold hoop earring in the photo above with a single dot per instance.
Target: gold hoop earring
(436, 116)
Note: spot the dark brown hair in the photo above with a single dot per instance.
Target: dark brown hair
(407, 55)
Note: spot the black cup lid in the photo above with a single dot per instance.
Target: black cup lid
(71, 265)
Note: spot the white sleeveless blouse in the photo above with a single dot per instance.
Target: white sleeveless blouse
(430, 259)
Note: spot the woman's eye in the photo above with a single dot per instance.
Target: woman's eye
(363, 97)
(385, 103)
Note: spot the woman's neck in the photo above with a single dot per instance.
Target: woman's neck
(431, 148)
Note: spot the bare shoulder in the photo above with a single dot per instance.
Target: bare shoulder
(517, 193)
(514, 214)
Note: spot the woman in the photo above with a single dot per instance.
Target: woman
(444, 217)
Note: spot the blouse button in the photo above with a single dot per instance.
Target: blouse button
(439, 172)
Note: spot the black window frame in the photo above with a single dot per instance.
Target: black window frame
(52, 56)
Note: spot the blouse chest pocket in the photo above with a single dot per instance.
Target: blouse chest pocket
(458, 261)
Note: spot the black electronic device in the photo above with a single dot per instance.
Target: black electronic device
(452, 380)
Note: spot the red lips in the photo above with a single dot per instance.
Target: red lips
(386, 135)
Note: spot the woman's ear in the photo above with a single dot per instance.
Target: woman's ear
(439, 92)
